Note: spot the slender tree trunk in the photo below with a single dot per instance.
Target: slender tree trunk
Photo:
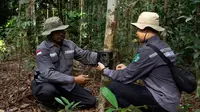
(166, 6)
(63, 7)
(197, 66)
(153, 3)
(34, 23)
(59, 4)
(165, 17)
(47, 10)
(196, 18)
(17, 56)
(81, 6)
(110, 34)
(31, 17)
(111, 25)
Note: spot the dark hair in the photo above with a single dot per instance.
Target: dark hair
(49, 36)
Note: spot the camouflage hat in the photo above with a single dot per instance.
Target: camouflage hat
(53, 24)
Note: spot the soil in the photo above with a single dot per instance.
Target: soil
(15, 89)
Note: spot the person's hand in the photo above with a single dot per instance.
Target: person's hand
(81, 79)
(100, 66)
(120, 67)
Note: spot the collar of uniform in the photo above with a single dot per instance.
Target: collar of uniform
(150, 40)
(65, 43)
(50, 43)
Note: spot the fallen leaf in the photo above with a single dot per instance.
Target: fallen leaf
(24, 106)
(13, 109)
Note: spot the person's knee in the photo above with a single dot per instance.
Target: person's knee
(90, 103)
(47, 93)
(114, 86)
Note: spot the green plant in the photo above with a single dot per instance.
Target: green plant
(2, 46)
(2, 50)
(187, 108)
(29, 62)
(112, 100)
(69, 106)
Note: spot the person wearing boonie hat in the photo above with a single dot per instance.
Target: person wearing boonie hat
(54, 61)
(159, 92)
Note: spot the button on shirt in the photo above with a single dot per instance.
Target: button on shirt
(54, 64)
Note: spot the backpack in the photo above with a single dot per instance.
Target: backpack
(184, 79)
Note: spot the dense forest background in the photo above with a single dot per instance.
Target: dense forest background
(21, 24)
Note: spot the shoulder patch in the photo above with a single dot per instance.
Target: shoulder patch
(136, 58)
(38, 52)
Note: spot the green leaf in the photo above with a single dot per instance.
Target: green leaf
(133, 4)
(71, 104)
(65, 100)
(23, 1)
(145, 107)
(66, 108)
(182, 17)
(76, 104)
(195, 1)
(109, 96)
(59, 101)
(111, 110)
(196, 55)
(136, 108)
(189, 18)
(125, 110)
(61, 110)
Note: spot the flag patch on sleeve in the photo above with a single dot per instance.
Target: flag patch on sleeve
(38, 52)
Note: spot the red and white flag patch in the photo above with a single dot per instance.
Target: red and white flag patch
(38, 52)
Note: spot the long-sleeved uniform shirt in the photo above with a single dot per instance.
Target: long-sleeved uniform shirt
(54, 64)
(149, 67)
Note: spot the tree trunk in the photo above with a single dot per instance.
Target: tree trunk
(63, 8)
(198, 80)
(197, 65)
(31, 17)
(196, 18)
(165, 17)
(154, 7)
(111, 25)
(81, 6)
(49, 10)
(166, 6)
(59, 4)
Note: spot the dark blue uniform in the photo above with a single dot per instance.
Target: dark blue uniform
(54, 73)
(150, 68)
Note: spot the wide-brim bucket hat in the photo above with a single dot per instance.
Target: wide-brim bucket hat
(148, 19)
(53, 24)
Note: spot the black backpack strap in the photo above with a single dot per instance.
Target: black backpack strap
(165, 59)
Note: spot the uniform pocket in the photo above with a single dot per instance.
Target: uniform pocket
(54, 57)
(69, 54)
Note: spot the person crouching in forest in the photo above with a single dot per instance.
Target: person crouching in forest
(159, 93)
(53, 76)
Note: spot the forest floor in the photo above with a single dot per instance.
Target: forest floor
(15, 91)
